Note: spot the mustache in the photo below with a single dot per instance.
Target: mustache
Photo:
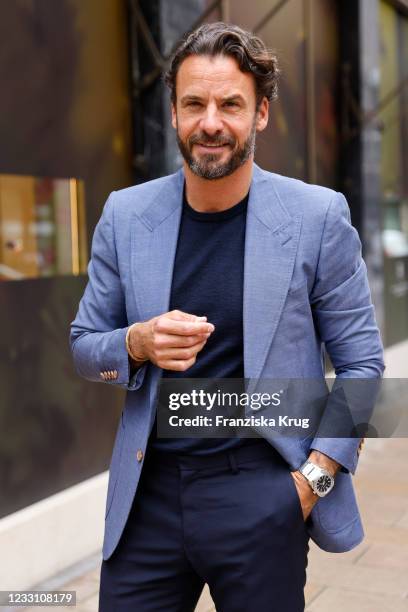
(218, 139)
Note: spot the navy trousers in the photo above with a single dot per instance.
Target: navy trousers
(231, 519)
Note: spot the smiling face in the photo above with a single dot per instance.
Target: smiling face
(215, 115)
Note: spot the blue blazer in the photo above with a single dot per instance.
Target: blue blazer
(305, 286)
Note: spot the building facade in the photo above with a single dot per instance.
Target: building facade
(84, 111)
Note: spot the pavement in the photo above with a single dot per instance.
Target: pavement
(373, 577)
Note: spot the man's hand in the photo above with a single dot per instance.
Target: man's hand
(171, 341)
(306, 495)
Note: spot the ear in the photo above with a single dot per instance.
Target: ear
(262, 115)
(173, 116)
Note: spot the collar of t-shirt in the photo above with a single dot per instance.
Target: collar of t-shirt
(221, 215)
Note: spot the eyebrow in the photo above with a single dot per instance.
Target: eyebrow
(193, 98)
(190, 98)
(233, 98)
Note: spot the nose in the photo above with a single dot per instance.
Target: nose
(211, 122)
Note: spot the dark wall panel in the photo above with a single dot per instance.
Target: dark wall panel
(64, 112)
(56, 428)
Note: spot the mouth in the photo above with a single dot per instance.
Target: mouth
(213, 148)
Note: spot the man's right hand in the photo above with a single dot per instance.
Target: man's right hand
(171, 341)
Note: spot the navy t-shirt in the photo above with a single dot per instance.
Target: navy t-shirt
(208, 281)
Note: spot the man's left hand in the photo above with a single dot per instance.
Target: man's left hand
(307, 498)
(306, 495)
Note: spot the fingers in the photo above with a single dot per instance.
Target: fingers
(179, 315)
(175, 339)
(184, 353)
(165, 341)
(178, 365)
(307, 498)
(182, 327)
(178, 358)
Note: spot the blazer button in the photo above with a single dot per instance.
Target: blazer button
(139, 455)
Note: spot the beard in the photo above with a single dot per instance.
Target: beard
(208, 166)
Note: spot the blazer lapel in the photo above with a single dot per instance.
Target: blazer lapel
(153, 248)
(271, 242)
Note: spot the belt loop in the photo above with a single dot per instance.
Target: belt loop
(232, 462)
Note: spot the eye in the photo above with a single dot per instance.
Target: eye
(231, 104)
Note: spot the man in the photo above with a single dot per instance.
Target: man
(222, 270)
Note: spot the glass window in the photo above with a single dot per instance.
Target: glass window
(394, 70)
(301, 138)
(42, 227)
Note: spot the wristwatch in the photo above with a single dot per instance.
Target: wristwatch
(318, 478)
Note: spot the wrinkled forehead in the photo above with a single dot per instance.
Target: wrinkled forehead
(219, 76)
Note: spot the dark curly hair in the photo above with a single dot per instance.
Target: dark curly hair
(221, 38)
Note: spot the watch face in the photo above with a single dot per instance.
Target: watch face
(323, 484)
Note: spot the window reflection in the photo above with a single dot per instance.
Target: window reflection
(394, 55)
(393, 71)
(42, 227)
(395, 233)
(301, 138)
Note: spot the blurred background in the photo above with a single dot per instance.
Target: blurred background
(84, 111)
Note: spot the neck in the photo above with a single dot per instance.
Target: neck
(219, 194)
